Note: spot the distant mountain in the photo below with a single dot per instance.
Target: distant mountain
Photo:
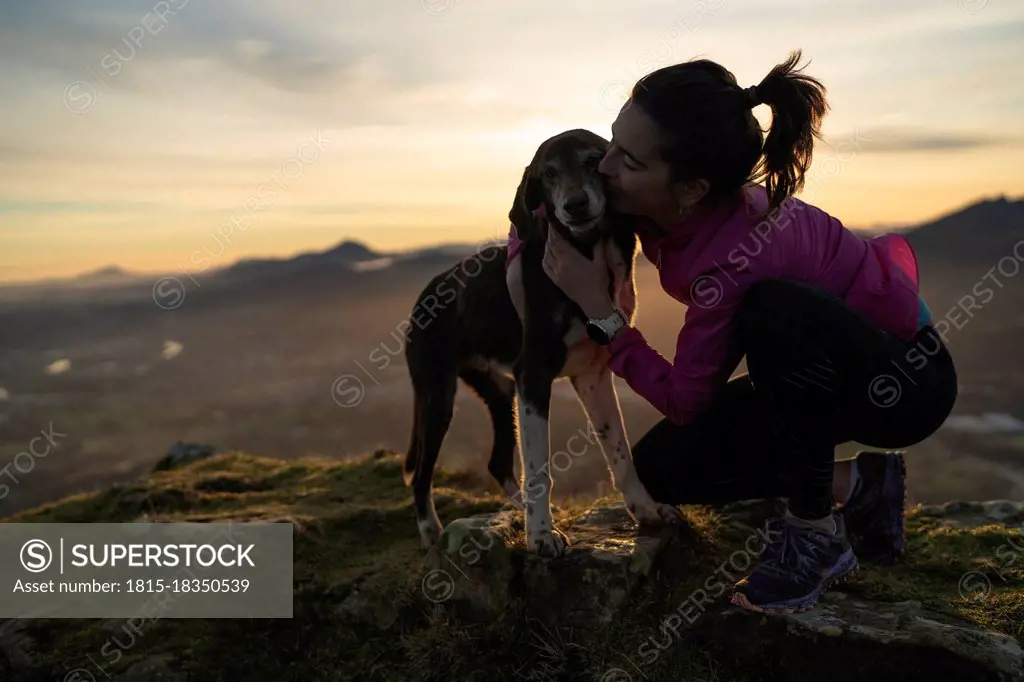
(350, 250)
(441, 255)
(347, 262)
(880, 229)
(109, 273)
(108, 278)
(342, 257)
(979, 234)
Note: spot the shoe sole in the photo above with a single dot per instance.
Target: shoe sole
(846, 565)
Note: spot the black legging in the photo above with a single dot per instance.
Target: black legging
(819, 374)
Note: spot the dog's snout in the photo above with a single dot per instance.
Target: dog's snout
(577, 204)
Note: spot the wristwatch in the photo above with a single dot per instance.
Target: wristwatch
(603, 329)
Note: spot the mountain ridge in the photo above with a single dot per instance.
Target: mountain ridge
(979, 231)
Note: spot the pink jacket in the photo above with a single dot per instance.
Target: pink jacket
(721, 251)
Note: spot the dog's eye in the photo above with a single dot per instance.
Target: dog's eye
(550, 173)
(593, 161)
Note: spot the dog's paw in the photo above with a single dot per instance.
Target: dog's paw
(430, 532)
(656, 514)
(511, 488)
(552, 544)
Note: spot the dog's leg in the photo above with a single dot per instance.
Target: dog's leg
(623, 282)
(498, 393)
(596, 392)
(435, 406)
(533, 388)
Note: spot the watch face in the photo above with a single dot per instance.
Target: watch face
(597, 333)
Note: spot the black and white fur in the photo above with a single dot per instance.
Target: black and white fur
(466, 326)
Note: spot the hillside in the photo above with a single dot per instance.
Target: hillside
(981, 233)
(365, 607)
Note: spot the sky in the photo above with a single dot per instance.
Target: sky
(142, 133)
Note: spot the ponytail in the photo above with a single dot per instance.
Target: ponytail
(798, 105)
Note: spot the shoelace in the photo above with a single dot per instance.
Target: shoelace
(793, 551)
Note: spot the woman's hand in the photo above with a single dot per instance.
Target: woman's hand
(583, 280)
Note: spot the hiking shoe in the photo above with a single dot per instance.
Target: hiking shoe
(874, 512)
(799, 563)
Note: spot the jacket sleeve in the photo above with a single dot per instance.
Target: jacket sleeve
(705, 357)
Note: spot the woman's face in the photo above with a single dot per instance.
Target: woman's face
(637, 178)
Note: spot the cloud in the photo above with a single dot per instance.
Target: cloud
(900, 140)
(117, 40)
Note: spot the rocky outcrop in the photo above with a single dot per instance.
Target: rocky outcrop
(476, 567)
(844, 639)
(480, 567)
(873, 639)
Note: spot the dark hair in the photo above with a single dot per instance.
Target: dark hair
(708, 130)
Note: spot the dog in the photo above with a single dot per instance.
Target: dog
(471, 329)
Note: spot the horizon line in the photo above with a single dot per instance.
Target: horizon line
(283, 256)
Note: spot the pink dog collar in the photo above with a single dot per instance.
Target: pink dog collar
(515, 244)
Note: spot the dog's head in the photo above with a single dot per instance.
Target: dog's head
(562, 184)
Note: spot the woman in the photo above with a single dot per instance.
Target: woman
(839, 345)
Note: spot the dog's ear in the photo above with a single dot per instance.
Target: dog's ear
(529, 196)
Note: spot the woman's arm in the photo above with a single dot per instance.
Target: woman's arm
(705, 357)
(705, 354)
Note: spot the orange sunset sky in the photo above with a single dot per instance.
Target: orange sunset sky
(132, 131)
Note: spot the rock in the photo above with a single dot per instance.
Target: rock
(376, 612)
(182, 453)
(472, 563)
(480, 565)
(608, 559)
(1003, 511)
(959, 514)
(158, 668)
(885, 641)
